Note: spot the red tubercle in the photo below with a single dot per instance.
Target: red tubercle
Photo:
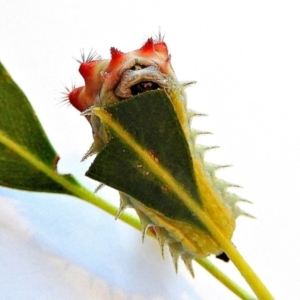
(115, 53)
(161, 48)
(79, 99)
(117, 58)
(86, 68)
(152, 49)
(91, 72)
(74, 98)
(148, 47)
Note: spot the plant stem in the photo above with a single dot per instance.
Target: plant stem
(223, 278)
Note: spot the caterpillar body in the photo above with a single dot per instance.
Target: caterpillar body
(109, 81)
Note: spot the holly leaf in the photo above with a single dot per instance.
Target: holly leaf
(21, 134)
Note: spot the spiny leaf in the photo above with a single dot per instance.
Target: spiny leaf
(19, 125)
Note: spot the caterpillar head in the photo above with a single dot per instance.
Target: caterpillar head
(124, 75)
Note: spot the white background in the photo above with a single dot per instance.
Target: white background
(245, 58)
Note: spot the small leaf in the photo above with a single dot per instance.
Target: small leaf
(20, 126)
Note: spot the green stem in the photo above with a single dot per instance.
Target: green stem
(249, 275)
(223, 278)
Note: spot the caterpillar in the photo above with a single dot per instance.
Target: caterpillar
(125, 75)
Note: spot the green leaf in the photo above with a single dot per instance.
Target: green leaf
(19, 126)
(151, 120)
